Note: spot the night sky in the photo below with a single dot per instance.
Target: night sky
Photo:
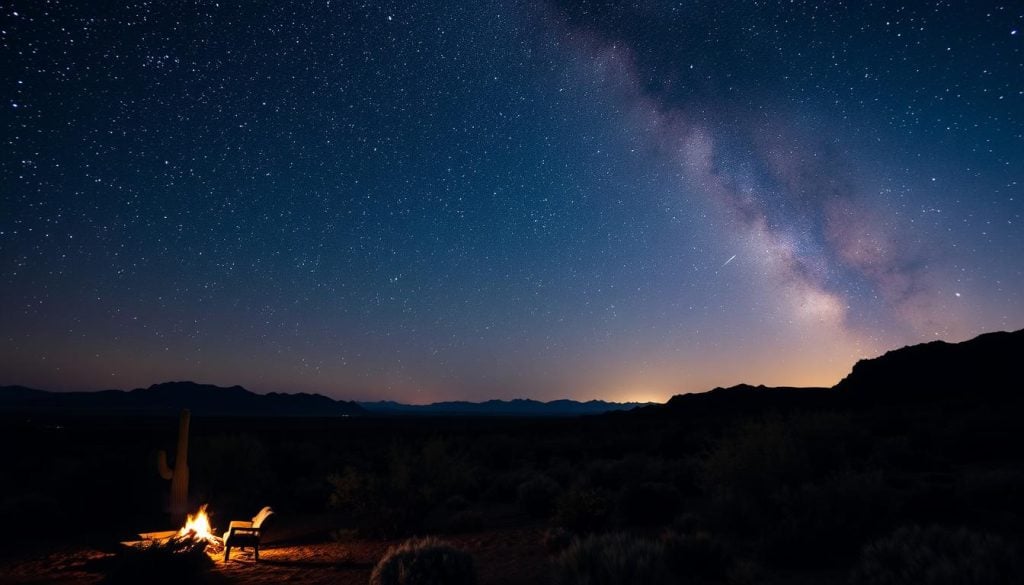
(497, 199)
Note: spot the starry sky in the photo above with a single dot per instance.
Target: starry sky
(496, 199)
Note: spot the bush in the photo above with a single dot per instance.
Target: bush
(613, 559)
(503, 487)
(698, 557)
(426, 561)
(612, 474)
(537, 495)
(556, 539)
(761, 460)
(649, 504)
(755, 460)
(179, 560)
(464, 521)
(395, 496)
(937, 556)
(827, 523)
(368, 503)
(583, 510)
(232, 472)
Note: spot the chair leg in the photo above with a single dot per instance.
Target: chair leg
(227, 553)
(256, 552)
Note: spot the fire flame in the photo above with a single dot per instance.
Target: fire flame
(198, 527)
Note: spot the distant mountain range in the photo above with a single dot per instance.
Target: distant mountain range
(982, 368)
(201, 399)
(209, 400)
(518, 407)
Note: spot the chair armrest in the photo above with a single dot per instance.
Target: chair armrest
(240, 524)
(240, 530)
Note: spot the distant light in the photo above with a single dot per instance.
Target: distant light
(957, 294)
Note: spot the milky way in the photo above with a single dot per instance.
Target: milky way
(490, 200)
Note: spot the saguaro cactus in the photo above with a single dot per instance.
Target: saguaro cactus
(179, 475)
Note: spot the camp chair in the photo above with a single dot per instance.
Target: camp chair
(241, 534)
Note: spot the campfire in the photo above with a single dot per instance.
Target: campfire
(198, 528)
(197, 532)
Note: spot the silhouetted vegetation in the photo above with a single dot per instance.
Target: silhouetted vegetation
(938, 556)
(613, 559)
(426, 561)
(178, 560)
(716, 492)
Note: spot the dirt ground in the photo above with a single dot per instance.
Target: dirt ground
(505, 557)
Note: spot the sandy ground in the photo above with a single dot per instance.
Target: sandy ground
(504, 557)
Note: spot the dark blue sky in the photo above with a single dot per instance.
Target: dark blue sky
(457, 200)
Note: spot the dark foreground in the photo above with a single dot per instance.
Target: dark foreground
(777, 493)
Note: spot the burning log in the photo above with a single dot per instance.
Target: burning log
(198, 528)
(196, 533)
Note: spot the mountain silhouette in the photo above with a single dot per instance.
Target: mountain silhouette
(201, 399)
(207, 400)
(983, 368)
(517, 407)
(988, 365)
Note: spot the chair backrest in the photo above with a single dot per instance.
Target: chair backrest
(258, 519)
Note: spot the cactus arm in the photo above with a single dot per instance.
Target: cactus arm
(178, 502)
(161, 464)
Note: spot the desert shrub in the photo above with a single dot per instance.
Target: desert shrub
(537, 494)
(992, 497)
(501, 451)
(397, 496)
(745, 572)
(755, 460)
(613, 559)
(615, 473)
(583, 509)
(562, 470)
(464, 521)
(175, 561)
(556, 539)
(453, 516)
(759, 455)
(28, 515)
(648, 504)
(456, 503)
(830, 441)
(232, 472)
(937, 556)
(503, 487)
(368, 503)
(698, 557)
(828, 522)
(750, 470)
(439, 470)
(308, 494)
(426, 561)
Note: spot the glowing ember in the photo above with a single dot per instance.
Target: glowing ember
(198, 527)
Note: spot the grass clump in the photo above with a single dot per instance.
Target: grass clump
(613, 559)
(583, 510)
(937, 556)
(538, 494)
(426, 561)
